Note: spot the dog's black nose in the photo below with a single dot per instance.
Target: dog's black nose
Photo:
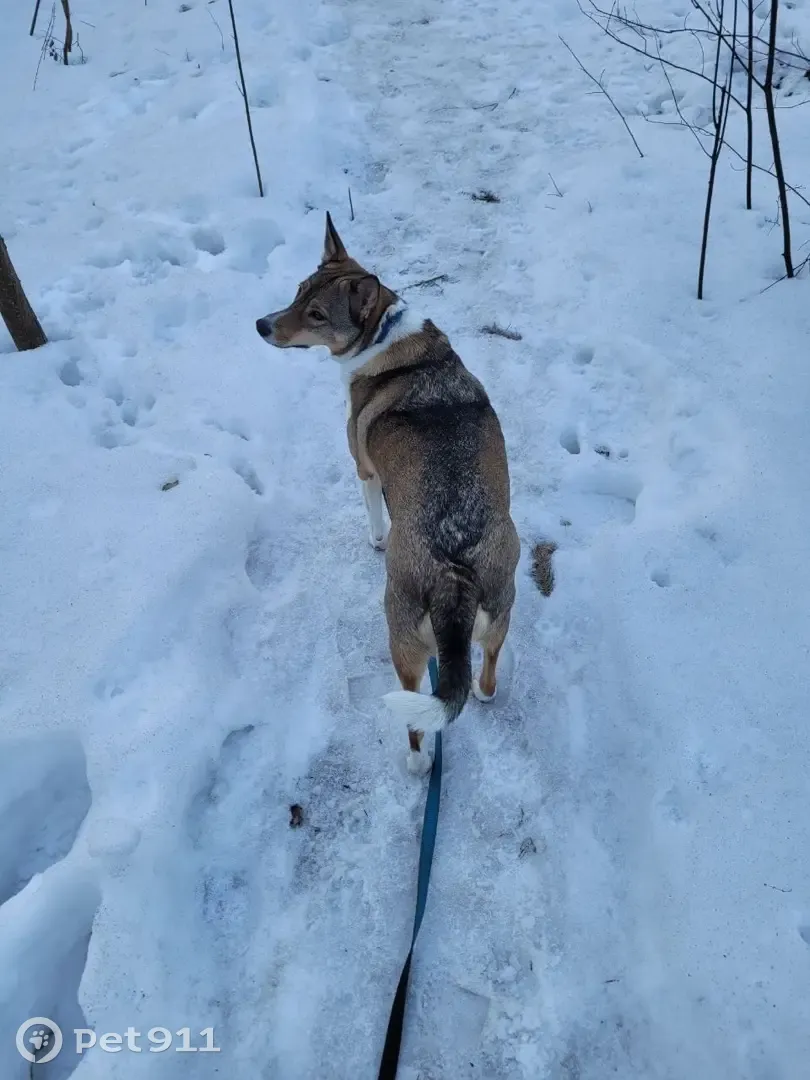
(264, 327)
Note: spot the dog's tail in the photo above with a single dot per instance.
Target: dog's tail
(452, 606)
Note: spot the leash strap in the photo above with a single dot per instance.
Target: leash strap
(393, 1037)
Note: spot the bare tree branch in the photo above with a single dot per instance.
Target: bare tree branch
(720, 18)
(645, 52)
(245, 99)
(604, 91)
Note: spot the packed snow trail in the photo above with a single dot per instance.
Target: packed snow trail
(191, 616)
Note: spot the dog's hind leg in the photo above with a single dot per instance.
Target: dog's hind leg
(410, 660)
(485, 686)
(372, 496)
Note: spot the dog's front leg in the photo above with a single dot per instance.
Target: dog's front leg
(371, 485)
(372, 496)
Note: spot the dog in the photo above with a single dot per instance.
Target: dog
(426, 440)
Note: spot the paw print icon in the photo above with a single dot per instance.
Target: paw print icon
(39, 1039)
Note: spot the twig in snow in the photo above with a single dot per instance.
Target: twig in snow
(681, 118)
(46, 42)
(245, 98)
(769, 172)
(557, 191)
(425, 281)
(351, 207)
(494, 104)
(796, 272)
(598, 82)
(219, 28)
(493, 330)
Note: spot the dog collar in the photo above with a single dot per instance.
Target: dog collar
(390, 320)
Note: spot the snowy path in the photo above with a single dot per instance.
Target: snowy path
(192, 620)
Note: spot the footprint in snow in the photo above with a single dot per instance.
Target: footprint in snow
(221, 776)
(193, 110)
(724, 546)
(252, 247)
(69, 373)
(232, 426)
(131, 411)
(245, 471)
(110, 439)
(569, 440)
(265, 93)
(597, 495)
(224, 887)
(208, 240)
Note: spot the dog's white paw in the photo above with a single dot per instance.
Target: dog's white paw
(379, 543)
(419, 762)
(479, 693)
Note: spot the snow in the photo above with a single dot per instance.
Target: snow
(193, 637)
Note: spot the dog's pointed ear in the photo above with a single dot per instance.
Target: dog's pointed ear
(333, 249)
(364, 294)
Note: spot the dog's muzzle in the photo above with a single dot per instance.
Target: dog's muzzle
(264, 327)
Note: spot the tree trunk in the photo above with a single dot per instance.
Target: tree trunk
(770, 108)
(16, 312)
(68, 31)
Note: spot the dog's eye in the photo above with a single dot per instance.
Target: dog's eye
(316, 316)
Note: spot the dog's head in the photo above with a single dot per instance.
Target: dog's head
(338, 306)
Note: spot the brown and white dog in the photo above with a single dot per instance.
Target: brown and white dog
(424, 438)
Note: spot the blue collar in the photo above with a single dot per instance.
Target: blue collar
(388, 324)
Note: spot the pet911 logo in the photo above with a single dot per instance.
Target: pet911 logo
(40, 1040)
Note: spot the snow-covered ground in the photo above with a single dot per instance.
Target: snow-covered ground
(190, 617)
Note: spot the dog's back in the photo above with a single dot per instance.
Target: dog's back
(439, 451)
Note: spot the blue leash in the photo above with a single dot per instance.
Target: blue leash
(393, 1037)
